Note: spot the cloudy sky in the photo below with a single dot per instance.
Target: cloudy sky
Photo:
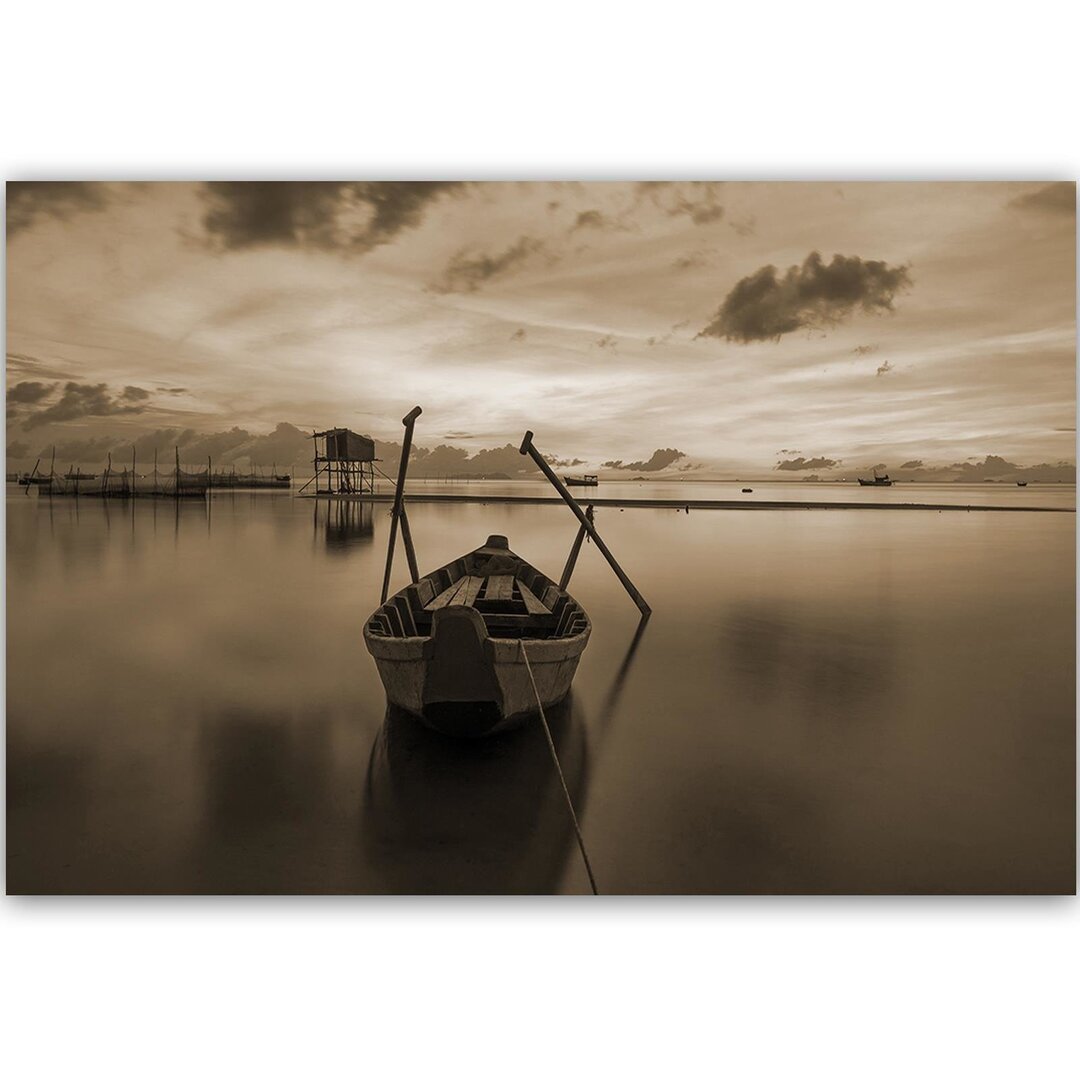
(745, 325)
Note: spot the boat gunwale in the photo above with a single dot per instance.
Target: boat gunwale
(496, 640)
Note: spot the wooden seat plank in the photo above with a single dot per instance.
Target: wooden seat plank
(468, 592)
(500, 587)
(533, 605)
(445, 596)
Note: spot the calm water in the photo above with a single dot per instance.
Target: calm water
(982, 494)
(843, 701)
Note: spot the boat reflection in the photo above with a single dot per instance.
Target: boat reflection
(483, 816)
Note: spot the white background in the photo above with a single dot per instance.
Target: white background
(740, 987)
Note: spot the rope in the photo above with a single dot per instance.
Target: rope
(558, 769)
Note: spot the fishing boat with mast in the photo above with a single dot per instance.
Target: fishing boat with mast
(880, 479)
(486, 641)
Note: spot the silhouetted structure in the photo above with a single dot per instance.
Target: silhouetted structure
(344, 462)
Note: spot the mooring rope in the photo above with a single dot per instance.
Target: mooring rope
(558, 769)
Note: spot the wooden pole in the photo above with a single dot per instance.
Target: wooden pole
(527, 447)
(571, 559)
(410, 554)
(33, 473)
(399, 495)
(133, 471)
(177, 478)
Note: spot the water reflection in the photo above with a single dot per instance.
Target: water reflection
(267, 806)
(486, 816)
(820, 702)
(346, 523)
(611, 701)
(836, 667)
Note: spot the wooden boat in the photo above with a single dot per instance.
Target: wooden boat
(586, 480)
(462, 647)
(35, 481)
(879, 480)
(1021, 483)
(78, 475)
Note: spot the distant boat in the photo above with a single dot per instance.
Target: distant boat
(79, 475)
(879, 480)
(585, 480)
(1021, 483)
(37, 481)
(747, 491)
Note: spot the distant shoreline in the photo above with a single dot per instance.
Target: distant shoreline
(692, 504)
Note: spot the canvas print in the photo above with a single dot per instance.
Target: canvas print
(641, 537)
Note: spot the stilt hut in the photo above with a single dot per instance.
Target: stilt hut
(344, 462)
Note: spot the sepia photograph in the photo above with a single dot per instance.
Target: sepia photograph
(451, 537)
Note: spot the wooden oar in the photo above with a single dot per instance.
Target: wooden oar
(587, 527)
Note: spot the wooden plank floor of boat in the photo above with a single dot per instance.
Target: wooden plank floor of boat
(500, 587)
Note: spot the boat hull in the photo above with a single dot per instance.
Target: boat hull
(411, 677)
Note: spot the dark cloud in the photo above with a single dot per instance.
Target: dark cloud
(562, 463)
(455, 461)
(701, 211)
(663, 339)
(467, 270)
(1057, 198)
(991, 467)
(608, 341)
(800, 463)
(694, 260)
(89, 399)
(746, 226)
(518, 334)
(176, 390)
(349, 216)
(594, 219)
(285, 445)
(698, 200)
(660, 459)
(884, 369)
(79, 451)
(29, 201)
(764, 306)
(33, 365)
(30, 393)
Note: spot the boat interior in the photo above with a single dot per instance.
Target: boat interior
(513, 598)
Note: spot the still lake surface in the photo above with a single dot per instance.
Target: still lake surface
(823, 701)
